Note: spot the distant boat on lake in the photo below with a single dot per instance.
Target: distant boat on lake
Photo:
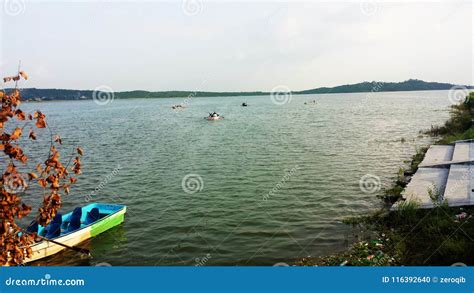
(214, 116)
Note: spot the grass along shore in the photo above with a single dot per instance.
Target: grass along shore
(412, 236)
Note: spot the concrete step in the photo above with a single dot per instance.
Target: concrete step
(458, 187)
(438, 154)
(461, 151)
(424, 180)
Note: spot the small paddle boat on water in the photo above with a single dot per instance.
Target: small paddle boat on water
(178, 106)
(244, 104)
(74, 227)
(214, 116)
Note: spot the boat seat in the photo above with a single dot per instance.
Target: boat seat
(32, 227)
(75, 220)
(92, 216)
(54, 228)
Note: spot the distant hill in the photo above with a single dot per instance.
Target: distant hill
(374, 86)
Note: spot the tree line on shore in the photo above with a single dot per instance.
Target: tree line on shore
(35, 94)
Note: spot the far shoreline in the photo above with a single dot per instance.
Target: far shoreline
(40, 100)
(411, 85)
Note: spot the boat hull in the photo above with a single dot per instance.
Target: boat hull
(47, 248)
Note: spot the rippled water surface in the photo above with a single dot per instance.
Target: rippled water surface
(276, 180)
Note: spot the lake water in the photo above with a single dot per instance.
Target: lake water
(137, 152)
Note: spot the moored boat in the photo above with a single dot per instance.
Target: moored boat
(75, 227)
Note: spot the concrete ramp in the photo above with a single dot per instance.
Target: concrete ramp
(462, 151)
(438, 155)
(447, 170)
(424, 181)
(458, 185)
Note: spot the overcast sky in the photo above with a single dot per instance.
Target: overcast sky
(235, 46)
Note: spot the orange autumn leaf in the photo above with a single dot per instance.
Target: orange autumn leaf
(66, 188)
(39, 168)
(20, 114)
(29, 251)
(32, 135)
(40, 119)
(40, 123)
(23, 159)
(32, 176)
(72, 180)
(11, 168)
(42, 183)
(55, 184)
(16, 134)
(24, 74)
